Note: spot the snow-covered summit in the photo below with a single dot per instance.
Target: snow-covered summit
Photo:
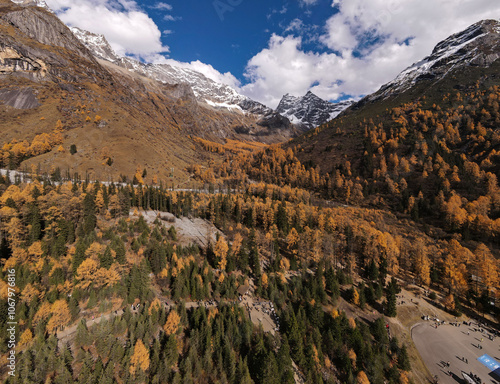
(310, 110)
(38, 3)
(475, 46)
(97, 44)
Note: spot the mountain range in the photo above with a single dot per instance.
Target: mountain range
(305, 112)
(50, 73)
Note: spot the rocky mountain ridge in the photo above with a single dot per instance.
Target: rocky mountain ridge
(310, 110)
(205, 89)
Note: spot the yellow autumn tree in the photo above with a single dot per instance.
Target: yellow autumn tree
(86, 273)
(61, 315)
(155, 305)
(355, 297)
(292, 239)
(140, 358)
(99, 201)
(43, 313)
(361, 378)
(106, 277)
(265, 280)
(421, 262)
(138, 175)
(172, 324)
(220, 251)
(237, 241)
(449, 302)
(29, 293)
(35, 250)
(16, 231)
(94, 250)
(25, 339)
(487, 266)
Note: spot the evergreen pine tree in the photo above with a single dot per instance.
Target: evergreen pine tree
(403, 359)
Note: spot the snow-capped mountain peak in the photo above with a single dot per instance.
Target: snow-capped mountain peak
(38, 3)
(96, 43)
(475, 46)
(310, 110)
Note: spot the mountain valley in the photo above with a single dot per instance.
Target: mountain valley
(158, 226)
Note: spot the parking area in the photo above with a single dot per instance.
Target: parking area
(448, 349)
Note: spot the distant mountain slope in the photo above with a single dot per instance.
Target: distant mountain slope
(310, 111)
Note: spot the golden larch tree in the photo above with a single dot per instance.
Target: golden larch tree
(61, 315)
(140, 358)
(220, 251)
(172, 324)
(86, 273)
(362, 378)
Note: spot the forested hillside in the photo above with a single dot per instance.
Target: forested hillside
(80, 251)
(78, 255)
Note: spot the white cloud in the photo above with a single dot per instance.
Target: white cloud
(118, 20)
(295, 25)
(308, 2)
(284, 68)
(162, 6)
(368, 44)
(171, 18)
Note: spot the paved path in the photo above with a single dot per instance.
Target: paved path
(449, 343)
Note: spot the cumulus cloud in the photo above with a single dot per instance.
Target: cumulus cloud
(118, 20)
(284, 68)
(367, 43)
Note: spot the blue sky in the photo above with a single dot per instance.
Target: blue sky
(228, 36)
(336, 48)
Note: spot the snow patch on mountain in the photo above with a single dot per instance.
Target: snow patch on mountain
(224, 106)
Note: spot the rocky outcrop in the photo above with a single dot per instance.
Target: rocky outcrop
(42, 26)
(20, 98)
